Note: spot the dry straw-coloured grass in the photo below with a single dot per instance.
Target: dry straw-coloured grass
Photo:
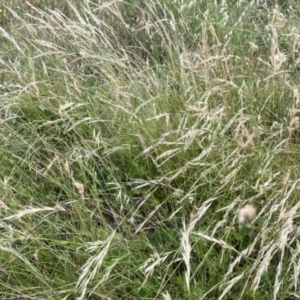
(149, 150)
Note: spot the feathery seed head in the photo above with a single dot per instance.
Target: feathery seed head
(247, 213)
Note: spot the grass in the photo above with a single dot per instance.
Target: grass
(133, 133)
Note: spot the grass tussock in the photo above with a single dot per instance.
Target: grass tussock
(149, 149)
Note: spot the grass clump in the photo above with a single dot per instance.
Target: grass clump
(149, 150)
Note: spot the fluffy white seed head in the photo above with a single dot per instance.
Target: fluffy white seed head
(247, 213)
